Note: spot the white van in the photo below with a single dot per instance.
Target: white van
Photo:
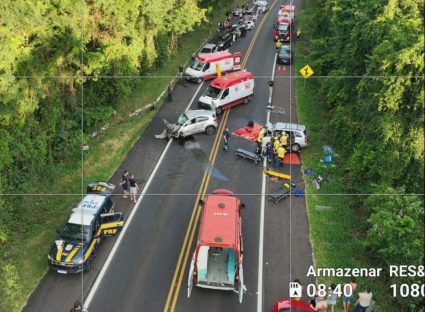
(204, 67)
(228, 91)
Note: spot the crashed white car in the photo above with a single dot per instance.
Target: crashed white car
(249, 24)
(189, 123)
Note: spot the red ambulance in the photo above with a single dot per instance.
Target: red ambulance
(217, 259)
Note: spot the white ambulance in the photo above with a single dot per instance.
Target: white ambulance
(227, 91)
(205, 67)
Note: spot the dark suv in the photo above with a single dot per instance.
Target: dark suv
(223, 41)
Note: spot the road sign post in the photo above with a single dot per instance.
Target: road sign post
(306, 72)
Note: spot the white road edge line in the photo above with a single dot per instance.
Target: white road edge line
(111, 255)
(262, 208)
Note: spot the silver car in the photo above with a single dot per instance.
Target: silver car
(197, 121)
(298, 137)
(189, 123)
(207, 49)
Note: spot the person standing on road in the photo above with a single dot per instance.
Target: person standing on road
(332, 297)
(170, 92)
(347, 300)
(77, 307)
(269, 151)
(124, 183)
(226, 136)
(264, 142)
(181, 68)
(133, 188)
(365, 299)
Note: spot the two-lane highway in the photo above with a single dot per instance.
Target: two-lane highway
(148, 269)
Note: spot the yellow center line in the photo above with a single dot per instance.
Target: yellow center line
(190, 233)
(193, 230)
(202, 190)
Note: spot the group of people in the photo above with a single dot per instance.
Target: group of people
(321, 304)
(225, 26)
(129, 185)
(272, 147)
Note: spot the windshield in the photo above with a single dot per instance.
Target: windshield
(282, 27)
(205, 50)
(285, 51)
(75, 232)
(212, 92)
(182, 119)
(197, 65)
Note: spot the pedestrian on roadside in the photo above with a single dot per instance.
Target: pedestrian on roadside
(365, 300)
(170, 92)
(78, 307)
(226, 136)
(124, 183)
(332, 297)
(134, 187)
(346, 300)
(181, 68)
(314, 301)
(298, 34)
(321, 306)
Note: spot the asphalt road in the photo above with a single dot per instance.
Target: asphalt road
(139, 276)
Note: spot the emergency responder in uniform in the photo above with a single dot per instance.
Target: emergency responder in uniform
(260, 140)
(276, 144)
(281, 151)
(269, 151)
(284, 139)
(278, 45)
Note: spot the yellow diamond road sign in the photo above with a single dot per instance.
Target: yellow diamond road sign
(306, 71)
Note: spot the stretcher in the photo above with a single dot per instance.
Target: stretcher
(248, 155)
(277, 196)
(277, 175)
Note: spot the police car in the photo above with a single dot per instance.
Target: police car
(93, 219)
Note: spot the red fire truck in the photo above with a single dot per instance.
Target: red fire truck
(217, 259)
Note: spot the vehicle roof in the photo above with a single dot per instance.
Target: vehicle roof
(208, 46)
(283, 20)
(198, 112)
(288, 8)
(288, 126)
(220, 221)
(216, 56)
(284, 49)
(87, 209)
(100, 187)
(231, 79)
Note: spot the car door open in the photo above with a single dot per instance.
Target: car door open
(111, 223)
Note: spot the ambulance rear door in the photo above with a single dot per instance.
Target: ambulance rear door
(236, 61)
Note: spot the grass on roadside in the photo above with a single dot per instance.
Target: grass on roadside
(27, 247)
(335, 227)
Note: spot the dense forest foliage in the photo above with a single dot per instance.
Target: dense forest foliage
(371, 54)
(50, 51)
(60, 62)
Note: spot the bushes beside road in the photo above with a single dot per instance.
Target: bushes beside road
(368, 103)
(42, 125)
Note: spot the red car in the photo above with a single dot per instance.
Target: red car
(291, 305)
(282, 30)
